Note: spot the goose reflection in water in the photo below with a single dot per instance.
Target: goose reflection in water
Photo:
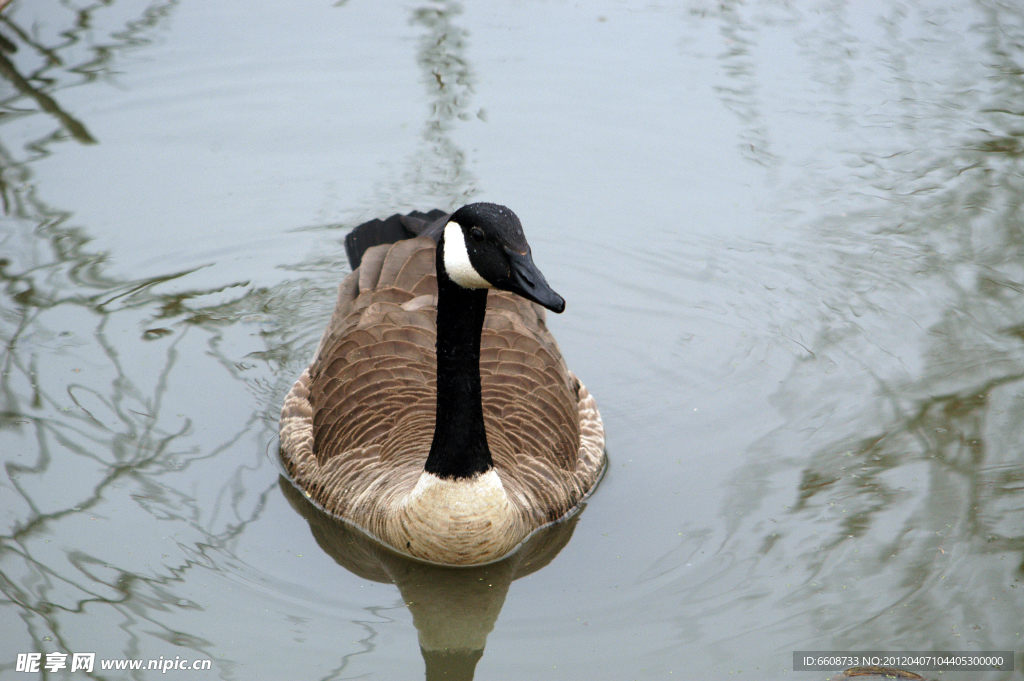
(453, 608)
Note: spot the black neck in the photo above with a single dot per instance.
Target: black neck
(459, 449)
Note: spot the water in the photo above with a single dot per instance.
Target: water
(790, 240)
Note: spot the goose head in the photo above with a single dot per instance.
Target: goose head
(483, 247)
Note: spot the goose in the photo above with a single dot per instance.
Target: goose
(438, 415)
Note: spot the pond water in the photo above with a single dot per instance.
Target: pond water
(791, 242)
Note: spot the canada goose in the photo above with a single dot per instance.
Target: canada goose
(453, 456)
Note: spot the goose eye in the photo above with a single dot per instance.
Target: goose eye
(477, 234)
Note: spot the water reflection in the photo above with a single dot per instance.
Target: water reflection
(436, 175)
(86, 428)
(907, 524)
(453, 609)
(739, 90)
(37, 71)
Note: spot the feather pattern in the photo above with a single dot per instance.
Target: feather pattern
(356, 427)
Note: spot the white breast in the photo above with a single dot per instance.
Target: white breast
(456, 522)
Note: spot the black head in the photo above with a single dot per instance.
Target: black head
(483, 246)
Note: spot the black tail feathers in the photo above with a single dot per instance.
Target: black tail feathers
(392, 229)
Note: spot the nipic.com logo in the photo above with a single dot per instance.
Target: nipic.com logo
(32, 662)
(86, 662)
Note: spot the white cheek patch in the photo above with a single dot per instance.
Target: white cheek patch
(456, 259)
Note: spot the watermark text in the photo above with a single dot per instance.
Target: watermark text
(86, 662)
